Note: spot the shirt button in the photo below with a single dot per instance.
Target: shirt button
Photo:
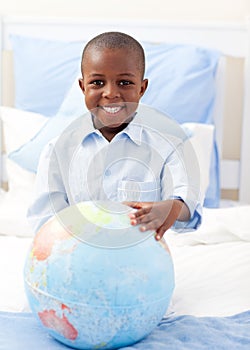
(108, 172)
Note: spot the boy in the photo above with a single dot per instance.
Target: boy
(111, 155)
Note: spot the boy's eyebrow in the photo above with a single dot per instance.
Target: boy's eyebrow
(103, 75)
(127, 74)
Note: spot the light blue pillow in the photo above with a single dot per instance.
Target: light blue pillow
(43, 79)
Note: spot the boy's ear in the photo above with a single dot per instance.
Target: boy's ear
(81, 84)
(144, 86)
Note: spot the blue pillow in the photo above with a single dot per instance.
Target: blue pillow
(181, 81)
(42, 79)
(181, 88)
(182, 85)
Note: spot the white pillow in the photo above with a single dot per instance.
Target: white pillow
(19, 126)
(202, 140)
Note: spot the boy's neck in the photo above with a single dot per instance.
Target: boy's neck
(109, 133)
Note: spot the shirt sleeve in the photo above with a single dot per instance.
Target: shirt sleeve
(49, 194)
(191, 225)
(181, 179)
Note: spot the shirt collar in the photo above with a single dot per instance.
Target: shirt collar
(87, 128)
(133, 130)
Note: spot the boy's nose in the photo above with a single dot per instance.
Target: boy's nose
(111, 91)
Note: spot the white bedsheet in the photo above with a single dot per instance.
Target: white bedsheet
(13, 209)
(212, 266)
(212, 280)
(14, 203)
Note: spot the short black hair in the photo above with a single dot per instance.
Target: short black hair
(118, 40)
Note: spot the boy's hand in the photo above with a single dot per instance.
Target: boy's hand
(158, 216)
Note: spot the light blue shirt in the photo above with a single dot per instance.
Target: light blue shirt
(141, 163)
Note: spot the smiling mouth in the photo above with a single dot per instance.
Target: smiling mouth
(112, 109)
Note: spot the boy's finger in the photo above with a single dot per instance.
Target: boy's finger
(141, 212)
(135, 205)
(152, 225)
(160, 232)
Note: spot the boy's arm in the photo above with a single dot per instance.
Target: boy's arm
(49, 194)
(180, 207)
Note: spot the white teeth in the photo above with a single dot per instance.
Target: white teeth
(112, 110)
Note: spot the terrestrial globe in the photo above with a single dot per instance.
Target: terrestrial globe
(96, 282)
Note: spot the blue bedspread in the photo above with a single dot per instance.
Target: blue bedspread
(21, 331)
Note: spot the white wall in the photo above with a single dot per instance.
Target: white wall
(198, 10)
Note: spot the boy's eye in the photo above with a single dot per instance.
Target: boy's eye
(97, 82)
(125, 82)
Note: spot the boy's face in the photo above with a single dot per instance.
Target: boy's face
(112, 84)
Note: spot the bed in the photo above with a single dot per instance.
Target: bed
(210, 307)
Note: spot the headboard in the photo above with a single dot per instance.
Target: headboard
(232, 108)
